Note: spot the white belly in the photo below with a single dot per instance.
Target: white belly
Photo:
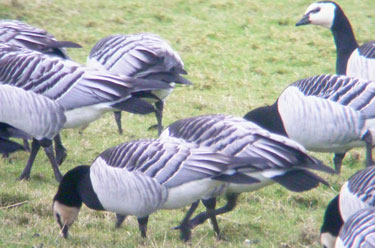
(82, 117)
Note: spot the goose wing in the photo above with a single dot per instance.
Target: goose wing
(358, 192)
(237, 137)
(356, 93)
(21, 34)
(140, 56)
(67, 82)
(359, 230)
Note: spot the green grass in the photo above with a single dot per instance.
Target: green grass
(240, 55)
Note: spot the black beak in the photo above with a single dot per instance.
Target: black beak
(304, 21)
(64, 231)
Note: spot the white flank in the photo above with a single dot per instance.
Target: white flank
(318, 124)
(124, 192)
(82, 117)
(327, 240)
(360, 67)
(188, 193)
(349, 203)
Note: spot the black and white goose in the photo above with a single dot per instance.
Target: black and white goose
(34, 114)
(281, 160)
(358, 231)
(17, 33)
(145, 56)
(357, 193)
(140, 177)
(325, 113)
(352, 60)
(85, 93)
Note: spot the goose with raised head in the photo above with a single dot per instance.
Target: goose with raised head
(324, 113)
(85, 93)
(141, 177)
(146, 56)
(281, 160)
(355, 194)
(352, 60)
(37, 116)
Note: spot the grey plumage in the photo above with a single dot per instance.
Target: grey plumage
(145, 56)
(17, 33)
(37, 116)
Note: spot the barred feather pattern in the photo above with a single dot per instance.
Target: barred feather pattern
(356, 93)
(66, 82)
(170, 164)
(17, 33)
(137, 55)
(237, 137)
(361, 63)
(359, 230)
(34, 114)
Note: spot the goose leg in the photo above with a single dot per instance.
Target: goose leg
(202, 217)
(159, 115)
(210, 205)
(51, 156)
(337, 160)
(26, 145)
(142, 224)
(117, 115)
(119, 219)
(368, 139)
(35, 146)
(59, 149)
(185, 227)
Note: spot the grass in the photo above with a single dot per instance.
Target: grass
(240, 55)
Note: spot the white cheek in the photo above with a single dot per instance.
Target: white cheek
(327, 240)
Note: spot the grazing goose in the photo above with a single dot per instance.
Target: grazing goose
(7, 146)
(355, 194)
(84, 93)
(325, 113)
(36, 115)
(352, 60)
(281, 160)
(358, 231)
(145, 56)
(14, 32)
(140, 177)
(21, 34)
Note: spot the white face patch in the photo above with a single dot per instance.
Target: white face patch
(327, 240)
(64, 215)
(321, 14)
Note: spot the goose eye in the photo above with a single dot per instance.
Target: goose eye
(314, 11)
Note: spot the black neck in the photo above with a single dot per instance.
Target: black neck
(332, 218)
(267, 117)
(76, 187)
(344, 39)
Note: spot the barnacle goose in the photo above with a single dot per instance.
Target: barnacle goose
(358, 231)
(85, 93)
(281, 160)
(325, 113)
(352, 60)
(36, 115)
(145, 56)
(14, 32)
(355, 194)
(141, 177)
(17, 33)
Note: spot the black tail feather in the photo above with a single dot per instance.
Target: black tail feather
(8, 146)
(299, 180)
(135, 105)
